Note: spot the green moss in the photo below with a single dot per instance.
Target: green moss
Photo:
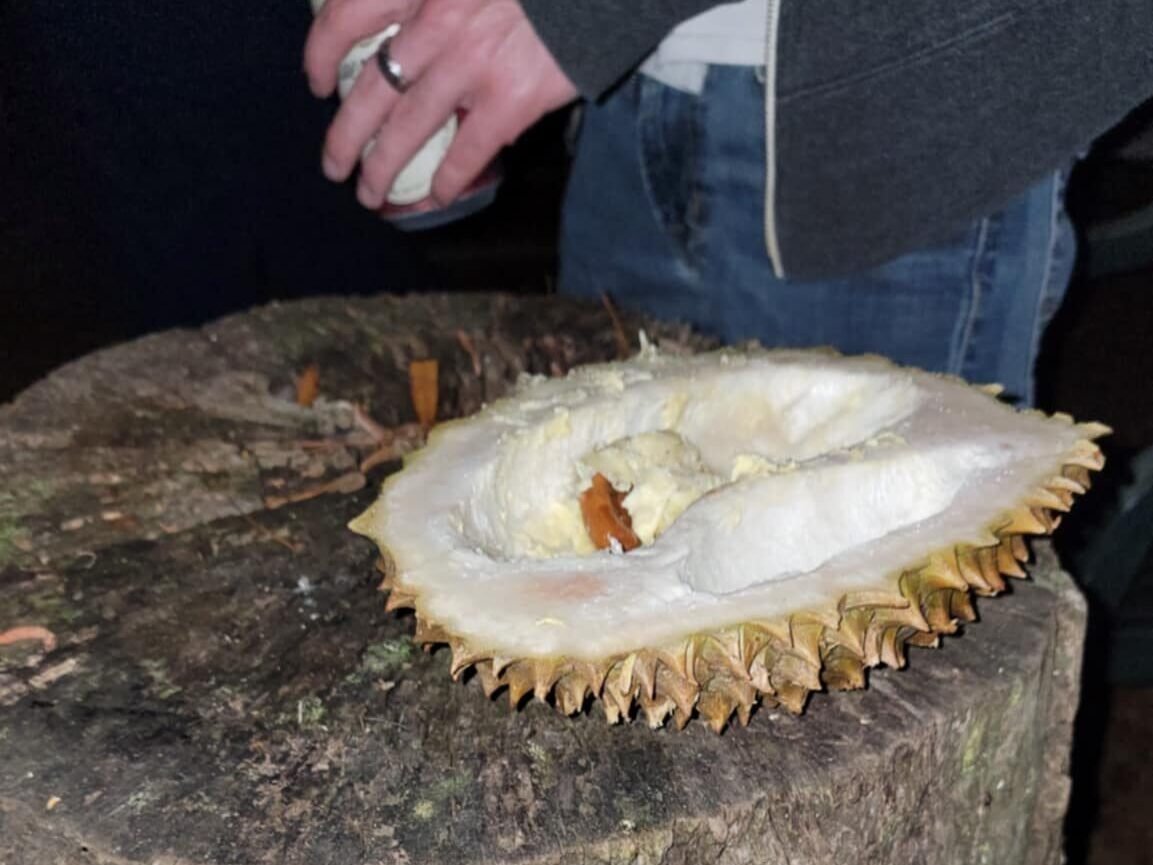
(1016, 695)
(973, 743)
(24, 498)
(139, 801)
(8, 537)
(450, 788)
(53, 607)
(543, 767)
(381, 661)
(310, 712)
(162, 685)
(384, 657)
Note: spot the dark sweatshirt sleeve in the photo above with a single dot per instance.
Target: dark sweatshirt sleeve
(598, 42)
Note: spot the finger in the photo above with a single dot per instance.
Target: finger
(482, 134)
(372, 97)
(360, 116)
(428, 105)
(339, 25)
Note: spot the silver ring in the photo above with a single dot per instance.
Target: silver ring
(389, 68)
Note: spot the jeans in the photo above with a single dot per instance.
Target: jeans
(665, 214)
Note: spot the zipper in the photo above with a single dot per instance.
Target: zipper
(772, 244)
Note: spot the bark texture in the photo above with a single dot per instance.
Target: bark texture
(209, 675)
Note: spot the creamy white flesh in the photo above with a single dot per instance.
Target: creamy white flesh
(848, 471)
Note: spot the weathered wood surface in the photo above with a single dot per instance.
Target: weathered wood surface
(226, 688)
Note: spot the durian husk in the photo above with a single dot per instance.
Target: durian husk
(720, 674)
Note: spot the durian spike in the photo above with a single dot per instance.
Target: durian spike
(843, 672)
(743, 695)
(1026, 520)
(1020, 548)
(939, 613)
(1094, 429)
(792, 697)
(386, 567)
(656, 709)
(761, 668)
(570, 692)
(1061, 482)
(720, 652)
(521, 679)
(645, 673)
(987, 560)
(910, 615)
(745, 710)
(807, 639)
(716, 708)
(489, 682)
(623, 682)
(872, 643)
(854, 627)
(753, 641)
(722, 699)
(428, 634)
(794, 668)
(1044, 498)
(893, 646)
(962, 607)
(594, 674)
(680, 659)
(943, 571)
(545, 675)
(925, 641)
(1079, 474)
(836, 641)
(500, 662)
(681, 691)
(463, 657)
(970, 566)
(612, 712)
(1006, 562)
(1087, 455)
(622, 699)
(398, 600)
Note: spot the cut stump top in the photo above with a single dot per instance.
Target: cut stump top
(218, 682)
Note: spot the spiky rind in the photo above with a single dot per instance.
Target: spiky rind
(726, 673)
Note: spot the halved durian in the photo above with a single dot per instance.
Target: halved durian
(802, 517)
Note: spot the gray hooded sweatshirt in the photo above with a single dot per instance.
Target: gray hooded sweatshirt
(894, 123)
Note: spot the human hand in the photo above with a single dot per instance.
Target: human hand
(479, 56)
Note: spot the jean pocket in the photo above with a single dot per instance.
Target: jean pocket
(670, 134)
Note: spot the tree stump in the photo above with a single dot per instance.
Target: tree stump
(205, 672)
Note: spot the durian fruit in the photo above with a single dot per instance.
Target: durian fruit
(798, 517)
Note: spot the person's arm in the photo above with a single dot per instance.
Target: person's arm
(598, 42)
